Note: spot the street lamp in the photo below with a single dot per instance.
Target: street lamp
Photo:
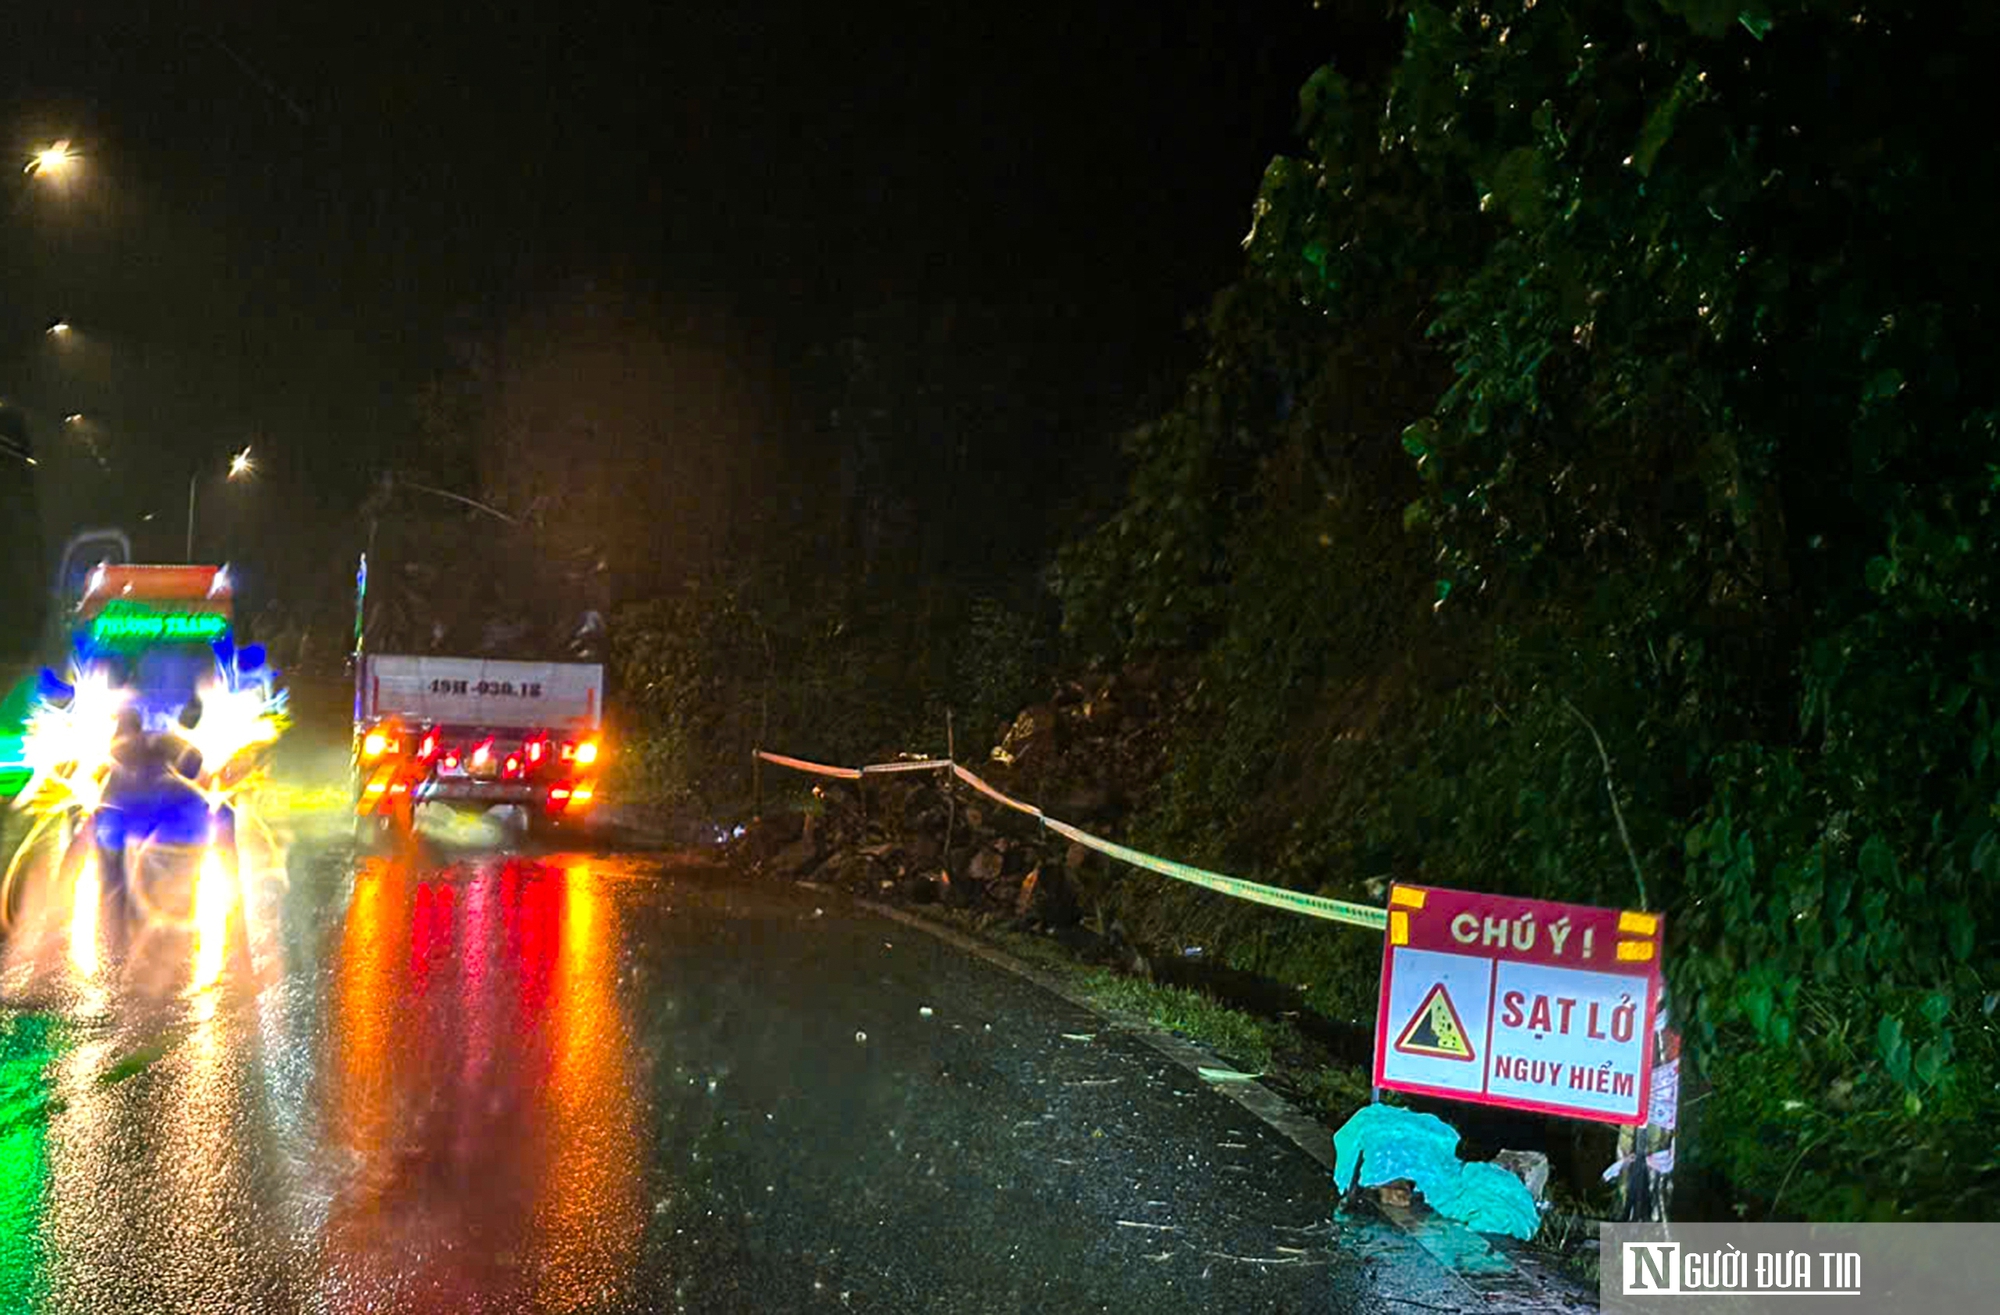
(460, 498)
(387, 485)
(390, 482)
(239, 465)
(53, 162)
(60, 329)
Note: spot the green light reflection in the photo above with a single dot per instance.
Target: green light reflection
(29, 1045)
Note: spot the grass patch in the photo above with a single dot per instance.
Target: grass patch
(1248, 1041)
(1335, 1090)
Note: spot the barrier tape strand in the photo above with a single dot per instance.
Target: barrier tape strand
(1277, 897)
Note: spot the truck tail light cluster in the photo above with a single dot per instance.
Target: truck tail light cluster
(583, 753)
(538, 754)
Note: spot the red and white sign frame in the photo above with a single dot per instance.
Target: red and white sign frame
(1572, 991)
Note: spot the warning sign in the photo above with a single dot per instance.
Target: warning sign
(1434, 1029)
(1521, 1003)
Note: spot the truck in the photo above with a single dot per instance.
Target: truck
(472, 734)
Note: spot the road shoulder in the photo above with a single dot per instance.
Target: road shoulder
(1475, 1274)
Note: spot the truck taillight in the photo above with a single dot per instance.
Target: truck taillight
(483, 754)
(538, 748)
(586, 753)
(568, 752)
(451, 762)
(429, 749)
(374, 745)
(511, 767)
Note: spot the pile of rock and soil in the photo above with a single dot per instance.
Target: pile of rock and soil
(1085, 755)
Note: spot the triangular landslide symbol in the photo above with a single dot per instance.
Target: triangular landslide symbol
(1434, 1029)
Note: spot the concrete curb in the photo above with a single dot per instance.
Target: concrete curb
(1487, 1276)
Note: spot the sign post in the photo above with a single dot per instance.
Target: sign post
(1520, 1003)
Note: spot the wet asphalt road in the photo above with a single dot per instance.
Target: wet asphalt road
(451, 1080)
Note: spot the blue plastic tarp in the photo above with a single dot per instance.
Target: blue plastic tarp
(1392, 1143)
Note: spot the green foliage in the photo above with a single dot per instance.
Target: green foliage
(706, 675)
(1003, 657)
(1622, 361)
(687, 671)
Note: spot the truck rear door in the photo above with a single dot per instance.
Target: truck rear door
(446, 691)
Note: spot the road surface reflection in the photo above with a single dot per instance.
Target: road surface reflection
(482, 1094)
(445, 1116)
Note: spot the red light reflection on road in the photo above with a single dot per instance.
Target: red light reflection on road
(591, 1215)
(430, 932)
(479, 1107)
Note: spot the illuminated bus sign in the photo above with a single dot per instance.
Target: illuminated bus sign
(124, 625)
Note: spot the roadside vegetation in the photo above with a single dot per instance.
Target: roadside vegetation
(1681, 448)
(1604, 413)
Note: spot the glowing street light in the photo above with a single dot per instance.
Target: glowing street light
(239, 465)
(60, 329)
(53, 162)
(73, 418)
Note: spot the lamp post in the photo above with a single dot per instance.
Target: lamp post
(239, 465)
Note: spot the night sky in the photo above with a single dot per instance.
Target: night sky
(289, 215)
